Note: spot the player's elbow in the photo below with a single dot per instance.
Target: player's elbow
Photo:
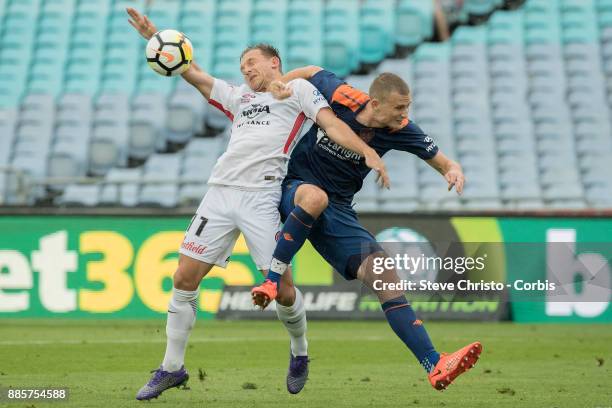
(312, 70)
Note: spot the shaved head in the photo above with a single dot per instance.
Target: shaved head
(387, 83)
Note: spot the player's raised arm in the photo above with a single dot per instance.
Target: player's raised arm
(342, 134)
(303, 72)
(197, 77)
(279, 88)
(450, 169)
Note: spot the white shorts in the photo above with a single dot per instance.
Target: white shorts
(223, 214)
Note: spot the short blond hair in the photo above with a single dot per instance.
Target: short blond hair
(386, 83)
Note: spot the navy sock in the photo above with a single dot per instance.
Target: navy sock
(411, 331)
(290, 240)
(274, 277)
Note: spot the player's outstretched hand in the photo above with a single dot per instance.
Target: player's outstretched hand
(455, 178)
(374, 162)
(280, 90)
(141, 23)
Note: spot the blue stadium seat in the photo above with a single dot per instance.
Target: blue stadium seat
(186, 116)
(469, 35)
(305, 34)
(121, 187)
(146, 125)
(414, 22)
(269, 23)
(69, 156)
(480, 7)
(75, 195)
(341, 42)
(197, 168)
(377, 29)
(162, 172)
(190, 194)
(108, 148)
(165, 14)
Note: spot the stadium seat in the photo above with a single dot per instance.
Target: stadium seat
(400, 67)
(165, 195)
(305, 47)
(190, 194)
(147, 125)
(480, 7)
(108, 148)
(414, 22)
(29, 167)
(121, 187)
(80, 195)
(377, 29)
(160, 180)
(70, 153)
(197, 168)
(269, 23)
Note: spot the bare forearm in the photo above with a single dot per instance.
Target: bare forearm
(443, 164)
(450, 170)
(200, 79)
(303, 73)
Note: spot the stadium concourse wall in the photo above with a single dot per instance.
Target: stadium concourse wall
(118, 263)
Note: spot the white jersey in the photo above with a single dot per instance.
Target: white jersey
(264, 132)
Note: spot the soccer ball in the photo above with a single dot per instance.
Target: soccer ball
(405, 241)
(169, 52)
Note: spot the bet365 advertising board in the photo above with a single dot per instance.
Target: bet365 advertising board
(531, 269)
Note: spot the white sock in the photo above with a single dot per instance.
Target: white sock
(278, 266)
(294, 319)
(181, 318)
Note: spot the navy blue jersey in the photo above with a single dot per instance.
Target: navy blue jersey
(340, 172)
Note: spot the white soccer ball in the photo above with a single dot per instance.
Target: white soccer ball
(169, 52)
(406, 241)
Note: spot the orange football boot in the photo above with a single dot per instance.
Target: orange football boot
(264, 293)
(453, 365)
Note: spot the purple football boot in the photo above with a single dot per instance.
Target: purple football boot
(297, 374)
(161, 381)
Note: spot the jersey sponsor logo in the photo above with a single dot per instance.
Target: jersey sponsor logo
(246, 98)
(318, 98)
(255, 110)
(254, 123)
(193, 247)
(432, 144)
(335, 150)
(252, 113)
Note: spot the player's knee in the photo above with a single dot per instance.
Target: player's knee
(286, 295)
(189, 274)
(382, 281)
(312, 199)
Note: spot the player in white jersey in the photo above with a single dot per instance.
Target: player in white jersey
(244, 193)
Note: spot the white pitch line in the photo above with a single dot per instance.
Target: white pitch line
(163, 341)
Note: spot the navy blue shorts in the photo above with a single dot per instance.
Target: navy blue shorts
(336, 234)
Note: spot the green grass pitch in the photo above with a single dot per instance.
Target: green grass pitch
(354, 364)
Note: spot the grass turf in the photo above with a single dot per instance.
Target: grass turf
(354, 364)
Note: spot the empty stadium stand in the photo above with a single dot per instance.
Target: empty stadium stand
(522, 101)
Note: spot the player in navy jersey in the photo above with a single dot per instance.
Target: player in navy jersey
(318, 192)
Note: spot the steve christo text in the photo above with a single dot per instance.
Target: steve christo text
(463, 285)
